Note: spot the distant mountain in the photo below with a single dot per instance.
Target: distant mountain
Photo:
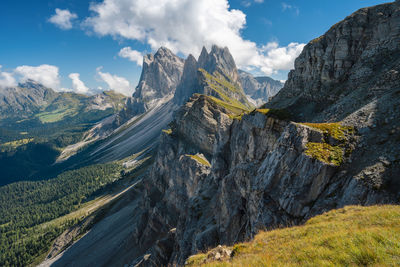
(259, 89)
(32, 100)
(36, 123)
(25, 99)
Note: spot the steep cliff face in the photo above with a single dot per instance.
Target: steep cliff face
(161, 74)
(352, 64)
(259, 89)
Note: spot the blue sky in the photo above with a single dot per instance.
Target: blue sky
(264, 36)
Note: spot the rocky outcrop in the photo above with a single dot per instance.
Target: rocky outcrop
(356, 61)
(161, 74)
(256, 175)
(259, 89)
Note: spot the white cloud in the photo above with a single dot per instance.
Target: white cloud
(259, 1)
(114, 82)
(132, 55)
(44, 74)
(77, 84)
(184, 26)
(279, 58)
(63, 18)
(286, 6)
(7, 79)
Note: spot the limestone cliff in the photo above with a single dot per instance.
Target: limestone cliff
(161, 74)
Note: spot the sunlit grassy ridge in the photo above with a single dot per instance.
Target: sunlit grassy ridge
(352, 236)
(225, 89)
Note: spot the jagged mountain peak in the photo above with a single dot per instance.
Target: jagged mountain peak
(214, 74)
(219, 59)
(161, 74)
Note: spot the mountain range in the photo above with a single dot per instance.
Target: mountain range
(204, 155)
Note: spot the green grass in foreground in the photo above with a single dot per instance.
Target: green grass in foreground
(352, 236)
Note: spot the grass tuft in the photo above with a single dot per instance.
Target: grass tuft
(168, 131)
(335, 129)
(200, 159)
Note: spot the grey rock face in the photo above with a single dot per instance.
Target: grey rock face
(160, 76)
(354, 62)
(259, 177)
(219, 62)
(260, 89)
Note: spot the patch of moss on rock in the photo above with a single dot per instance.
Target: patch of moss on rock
(325, 153)
(200, 159)
(168, 131)
(335, 129)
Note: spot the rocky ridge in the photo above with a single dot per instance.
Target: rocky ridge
(214, 73)
(161, 74)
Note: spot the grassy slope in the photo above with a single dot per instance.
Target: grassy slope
(352, 236)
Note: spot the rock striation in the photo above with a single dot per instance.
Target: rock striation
(259, 89)
(354, 62)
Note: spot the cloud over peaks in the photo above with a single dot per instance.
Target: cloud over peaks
(114, 82)
(7, 79)
(77, 84)
(183, 26)
(132, 55)
(63, 18)
(44, 74)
